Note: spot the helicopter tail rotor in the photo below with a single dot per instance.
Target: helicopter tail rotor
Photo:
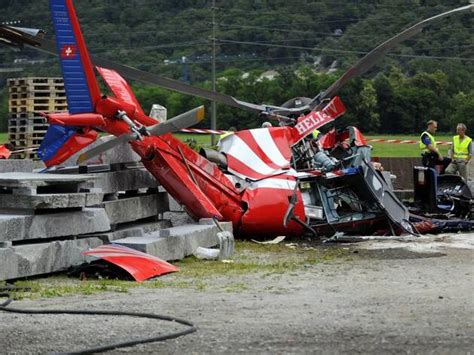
(174, 124)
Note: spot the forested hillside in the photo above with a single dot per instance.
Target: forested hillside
(428, 77)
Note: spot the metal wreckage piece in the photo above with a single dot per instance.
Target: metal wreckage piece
(353, 196)
(349, 195)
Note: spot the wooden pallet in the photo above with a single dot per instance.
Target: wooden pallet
(26, 155)
(56, 94)
(27, 142)
(28, 128)
(31, 101)
(36, 108)
(26, 135)
(25, 115)
(32, 81)
(28, 97)
(27, 121)
(36, 95)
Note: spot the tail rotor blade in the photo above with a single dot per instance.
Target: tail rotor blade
(105, 147)
(176, 123)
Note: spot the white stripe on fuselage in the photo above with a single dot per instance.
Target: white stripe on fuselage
(242, 152)
(266, 142)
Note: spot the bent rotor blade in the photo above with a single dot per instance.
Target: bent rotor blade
(47, 46)
(376, 54)
(125, 138)
(178, 86)
(176, 123)
(13, 36)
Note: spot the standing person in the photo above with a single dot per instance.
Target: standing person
(460, 152)
(430, 153)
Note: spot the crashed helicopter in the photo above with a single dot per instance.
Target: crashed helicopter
(266, 181)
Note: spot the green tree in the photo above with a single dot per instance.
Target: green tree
(463, 111)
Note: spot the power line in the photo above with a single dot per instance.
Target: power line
(230, 60)
(335, 3)
(337, 50)
(268, 28)
(157, 32)
(101, 49)
(362, 50)
(319, 40)
(214, 53)
(344, 35)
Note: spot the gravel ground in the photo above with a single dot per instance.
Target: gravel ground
(390, 297)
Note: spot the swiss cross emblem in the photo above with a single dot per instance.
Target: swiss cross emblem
(68, 51)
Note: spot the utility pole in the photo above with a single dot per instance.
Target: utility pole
(213, 104)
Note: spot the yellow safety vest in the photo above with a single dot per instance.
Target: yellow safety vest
(316, 134)
(423, 145)
(222, 136)
(461, 148)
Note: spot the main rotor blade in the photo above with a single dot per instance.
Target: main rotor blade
(175, 85)
(176, 123)
(376, 54)
(47, 46)
(13, 36)
(125, 138)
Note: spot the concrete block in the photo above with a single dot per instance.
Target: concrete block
(41, 258)
(158, 112)
(16, 165)
(152, 227)
(29, 183)
(120, 154)
(36, 259)
(126, 180)
(177, 242)
(137, 230)
(178, 218)
(50, 201)
(16, 227)
(174, 205)
(135, 208)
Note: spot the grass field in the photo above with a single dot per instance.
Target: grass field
(380, 149)
(384, 150)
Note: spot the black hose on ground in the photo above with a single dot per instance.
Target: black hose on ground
(191, 329)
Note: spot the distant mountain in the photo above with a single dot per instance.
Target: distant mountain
(254, 35)
(155, 35)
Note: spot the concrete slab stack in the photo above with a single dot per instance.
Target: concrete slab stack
(28, 97)
(47, 220)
